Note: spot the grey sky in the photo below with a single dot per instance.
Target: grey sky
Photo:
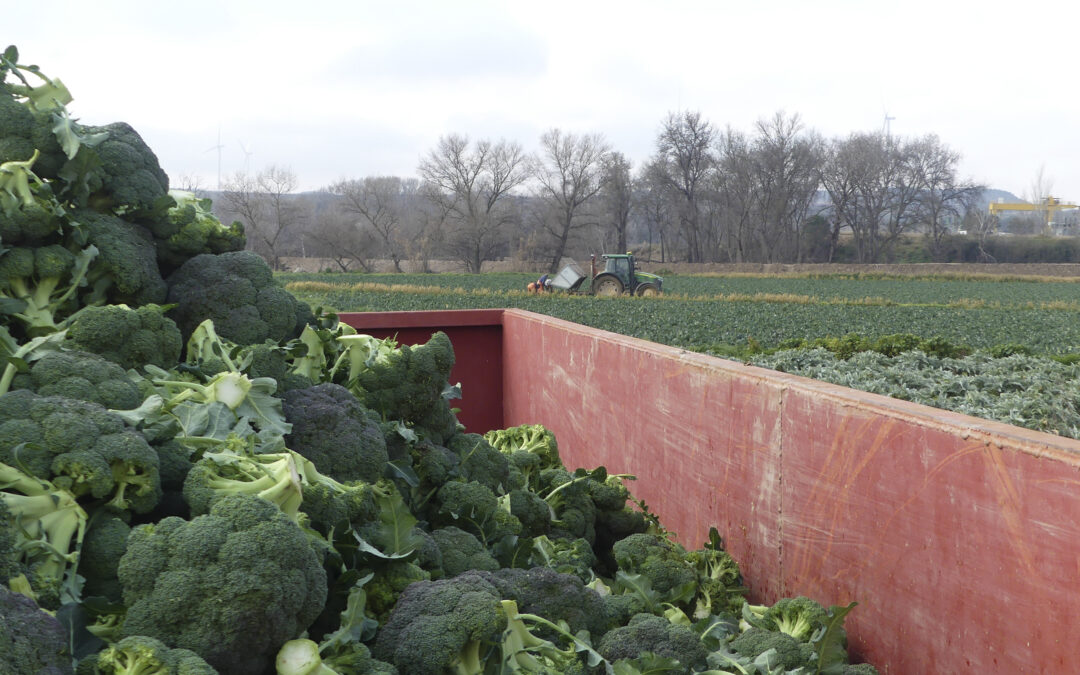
(348, 89)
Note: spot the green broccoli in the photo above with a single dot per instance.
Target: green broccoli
(534, 439)
(647, 633)
(130, 337)
(38, 286)
(661, 561)
(31, 640)
(47, 526)
(232, 585)
(568, 556)
(480, 462)
(524, 652)
(237, 291)
(555, 596)
(141, 655)
(331, 428)
(80, 446)
(125, 270)
(460, 551)
(569, 497)
(30, 215)
(305, 657)
(475, 508)
(103, 545)
(126, 177)
(798, 617)
(399, 382)
(81, 375)
(274, 477)
(790, 653)
(444, 626)
(24, 130)
(190, 228)
(532, 511)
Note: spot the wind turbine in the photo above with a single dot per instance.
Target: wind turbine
(247, 156)
(217, 147)
(886, 128)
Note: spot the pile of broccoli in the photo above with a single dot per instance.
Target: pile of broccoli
(199, 474)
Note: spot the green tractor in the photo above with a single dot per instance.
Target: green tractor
(619, 276)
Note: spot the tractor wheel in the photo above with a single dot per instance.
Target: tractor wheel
(607, 285)
(648, 290)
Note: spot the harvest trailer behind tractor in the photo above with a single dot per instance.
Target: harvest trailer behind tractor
(619, 275)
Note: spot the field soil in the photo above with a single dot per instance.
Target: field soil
(920, 269)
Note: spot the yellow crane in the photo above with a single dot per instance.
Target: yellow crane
(1049, 207)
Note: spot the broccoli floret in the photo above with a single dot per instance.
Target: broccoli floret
(798, 617)
(125, 270)
(331, 428)
(532, 511)
(31, 640)
(720, 586)
(568, 496)
(480, 462)
(232, 585)
(129, 337)
(103, 545)
(790, 653)
(127, 178)
(554, 596)
(141, 655)
(400, 383)
(270, 360)
(460, 551)
(29, 213)
(190, 228)
(475, 508)
(274, 477)
(441, 626)
(235, 290)
(391, 579)
(534, 439)
(522, 651)
(568, 556)
(83, 376)
(39, 285)
(647, 633)
(81, 446)
(46, 525)
(661, 561)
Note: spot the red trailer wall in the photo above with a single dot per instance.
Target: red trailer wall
(960, 538)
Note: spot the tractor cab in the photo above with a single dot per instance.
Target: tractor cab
(621, 276)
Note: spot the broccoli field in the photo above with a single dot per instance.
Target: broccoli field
(200, 474)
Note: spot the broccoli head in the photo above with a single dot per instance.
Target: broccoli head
(127, 177)
(460, 551)
(789, 652)
(38, 286)
(103, 545)
(237, 291)
(480, 462)
(798, 617)
(125, 270)
(83, 376)
(190, 228)
(648, 633)
(442, 626)
(332, 428)
(555, 596)
(31, 640)
(232, 586)
(130, 337)
(80, 446)
(661, 561)
(138, 654)
(30, 215)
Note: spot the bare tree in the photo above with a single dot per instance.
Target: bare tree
(267, 207)
(657, 203)
(381, 202)
(685, 158)
(472, 184)
(943, 198)
(335, 236)
(617, 197)
(1039, 193)
(569, 173)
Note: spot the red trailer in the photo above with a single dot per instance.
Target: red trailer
(959, 537)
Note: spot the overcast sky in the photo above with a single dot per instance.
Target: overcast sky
(353, 88)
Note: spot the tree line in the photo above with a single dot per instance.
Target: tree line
(779, 193)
